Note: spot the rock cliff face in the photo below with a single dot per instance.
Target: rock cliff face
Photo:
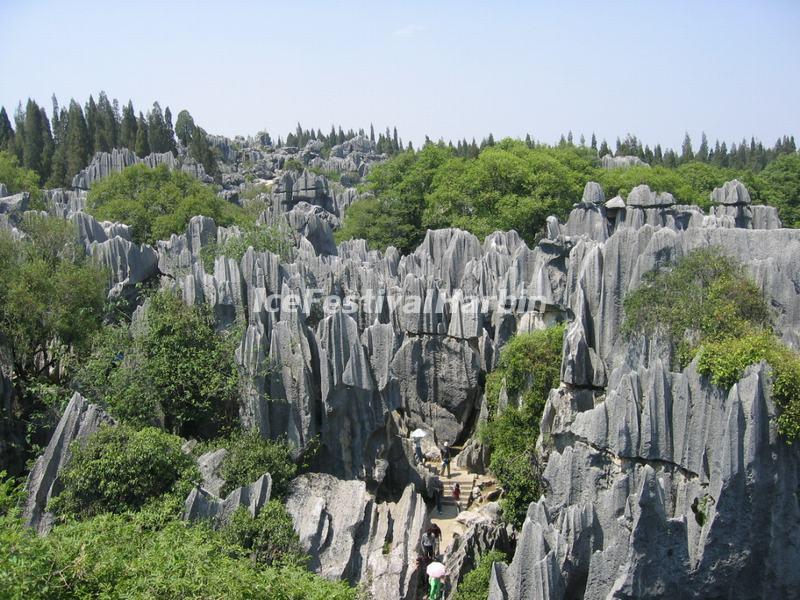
(80, 419)
(350, 536)
(104, 164)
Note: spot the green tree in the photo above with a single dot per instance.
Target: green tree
(77, 140)
(15, 177)
(157, 202)
(128, 127)
(174, 371)
(6, 131)
(475, 585)
(781, 187)
(184, 127)
(119, 469)
(142, 147)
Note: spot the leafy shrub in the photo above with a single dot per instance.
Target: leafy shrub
(175, 370)
(17, 178)
(270, 537)
(530, 364)
(475, 585)
(115, 556)
(710, 309)
(157, 202)
(250, 456)
(725, 362)
(263, 238)
(118, 469)
(292, 164)
(705, 296)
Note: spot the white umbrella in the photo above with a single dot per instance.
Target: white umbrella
(418, 433)
(435, 569)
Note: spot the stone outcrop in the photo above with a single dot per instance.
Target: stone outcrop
(204, 505)
(621, 162)
(104, 164)
(350, 536)
(80, 419)
(667, 487)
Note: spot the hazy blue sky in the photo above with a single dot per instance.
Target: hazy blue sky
(446, 69)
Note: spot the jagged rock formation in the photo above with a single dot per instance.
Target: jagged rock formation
(660, 484)
(104, 164)
(204, 505)
(621, 162)
(351, 536)
(668, 487)
(632, 445)
(80, 419)
(464, 553)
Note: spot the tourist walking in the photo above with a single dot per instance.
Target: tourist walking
(446, 459)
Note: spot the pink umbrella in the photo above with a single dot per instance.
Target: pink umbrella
(435, 569)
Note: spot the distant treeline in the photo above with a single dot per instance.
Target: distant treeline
(751, 155)
(58, 147)
(386, 143)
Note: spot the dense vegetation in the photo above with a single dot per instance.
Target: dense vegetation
(127, 556)
(118, 469)
(156, 203)
(529, 367)
(52, 300)
(706, 306)
(250, 456)
(172, 369)
(475, 585)
(516, 185)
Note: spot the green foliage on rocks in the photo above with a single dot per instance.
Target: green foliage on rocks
(262, 238)
(120, 468)
(250, 456)
(475, 585)
(173, 369)
(726, 360)
(707, 306)
(16, 177)
(529, 365)
(127, 556)
(706, 296)
(157, 202)
(270, 536)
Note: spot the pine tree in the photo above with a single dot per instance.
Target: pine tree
(724, 160)
(569, 138)
(169, 131)
(91, 123)
(686, 149)
(6, 131)
(371, 133)
(48, 146)
(78, 149)
(702, 151)
(583, 141)
(58, 168)
(157, 130)
(395, 143)
(604, 149)
(142, 145)
(593, 144)
(128, 127)
(658, 156)
(33, 140)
